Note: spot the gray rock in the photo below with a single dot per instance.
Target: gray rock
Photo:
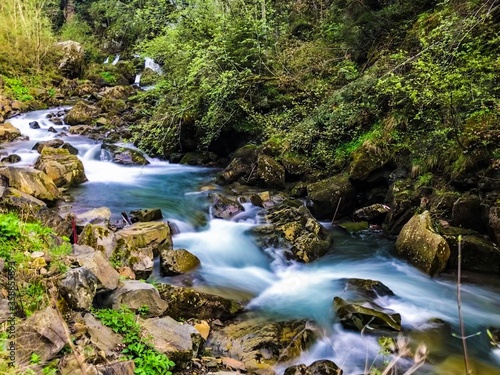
(54, 143)
(117, 368)
(103, 337)
(12, 159)
(145, 215)
(100, 215)
(177, 262)
(100, 238)
(324, 197)
(95, 261)
(78, 287)
(225, 208)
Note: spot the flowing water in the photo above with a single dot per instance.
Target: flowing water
(233, 263)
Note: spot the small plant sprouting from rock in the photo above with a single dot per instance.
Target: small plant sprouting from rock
(147, 360)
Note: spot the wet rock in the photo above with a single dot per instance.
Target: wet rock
(224, 208)
(422, 246)
(100, 238)
(42, 333)
(155, 236)
(188, 303)
(146, 215)
(71, 59)
(8, 132)
(325, 195)
(135, 295)
(297, 230)
(51, 129)
(78, 288)
(467, 213)
(81, 129)
(175, 158)
(94, 261)
(352, 227)
(180, 342)
(196, 158)
(478, 253)
(320, 367)
(124, 155)
(103, 337)
(359, 316)
(63, 168)
(82, 114)
(56, 120)
(361, 290)
(454, 365)
(177, 262)
(270, 172)
(34, 125)
(373, 213)
(434, 333)
(97, 216)
(71, 149)
(54, 143)
(117, 368)
(32, 182)
(260, 344)
(299, 190)
(12, 158)
(242, 166)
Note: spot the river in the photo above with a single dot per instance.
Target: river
(234, 265)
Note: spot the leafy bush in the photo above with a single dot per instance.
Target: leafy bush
(17, 89)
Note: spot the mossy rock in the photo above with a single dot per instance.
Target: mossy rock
(177, 262)
(354, 227)
(62, 167)
(82, 114)
(295, 165)
(124, 155)
(326, 194)
(149, 77)
(369, 165)
(196, 158)
(270, 172)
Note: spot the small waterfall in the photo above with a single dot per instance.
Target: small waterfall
(117, 58)
(150, 63)
(93, 153)
(137, 80)
(106, 61)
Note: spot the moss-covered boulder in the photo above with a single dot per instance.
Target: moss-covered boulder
(145, 215)
(370, 165)
(117, 92)
(71, 58)
(189, 303)
(62, 167)
(177, 262)
(478, 252)
(242, 166)
(468, 213)
(54, 143)
(419, 243)
(99, 237)
(296, 166)
(374, 213)
(261, 344)
(82, 114)
(294, 228)
(32, 182)
(8, 132)
(324, 197)
(124, 155)
(352, 227)
(403, 202)
(359, 316)
(270, 172)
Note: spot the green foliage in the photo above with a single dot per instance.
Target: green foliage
(108, 77)
(147, 360)
(18, 90)
(35, 358)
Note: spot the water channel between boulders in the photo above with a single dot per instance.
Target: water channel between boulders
(234, 265)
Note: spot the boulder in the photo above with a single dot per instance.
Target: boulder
(71, 149)
(180, 342)
(370, 166)
(54, 143)
(117, 92)
(324, 197)
(260, 344)
(124, 155)
(467, 213)
(197, 158)
(478, 253)
(188, 303)
(422, 246)
(12, 159)
(146, 215)
(97, 216)
(103, 337)
(99, 237)
(224, 208)
(34, 125)
(136, 295)
(94, 261)
(494, 223)
(320, 367)
(270, 172)
(359, 316)
(81, 129)
(354, 227)
(242, 165)
(362, 290)
(63, 168)
(71, 59)
(403, 202)
(295, 229)
(374, 213)
(8, 132)
(42, 333)
(32, 182)
(78, 288)
(117, 368)
(155, 236)
(177, 262)
(82, 114)
(295, 166)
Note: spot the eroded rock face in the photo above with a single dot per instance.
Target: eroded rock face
(325, 195)
(180, 342)
(189, 303)
(8, 132)
(62, 167)
(42, 333)
(422, 246)
(294, 227)
(177, 262)
(32, 182)
(260, 344)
